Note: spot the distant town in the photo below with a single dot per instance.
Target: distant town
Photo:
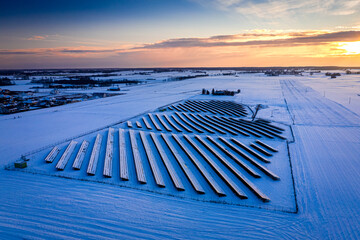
(24, 90)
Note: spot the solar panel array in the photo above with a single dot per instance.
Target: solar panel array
(201, 147)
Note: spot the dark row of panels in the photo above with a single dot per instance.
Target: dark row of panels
(198, 123)
(211, 106)
(182, 148)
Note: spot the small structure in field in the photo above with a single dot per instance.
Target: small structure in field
(114, 88)
(20, 164)
(332, 75)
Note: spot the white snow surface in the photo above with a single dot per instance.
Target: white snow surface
(343, 89)
(324, 157)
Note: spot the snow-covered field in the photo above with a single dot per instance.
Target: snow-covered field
(344, 90)
(324, 160)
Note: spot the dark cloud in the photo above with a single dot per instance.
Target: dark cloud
(224, 37)
(87, 51)
(296, 39)
(49, 51)
(9, 52)
(255, 34)
(343, 36)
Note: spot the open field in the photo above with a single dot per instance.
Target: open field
(317, 162)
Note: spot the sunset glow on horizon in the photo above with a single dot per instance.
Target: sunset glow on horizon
(186, 33)
(350, 47)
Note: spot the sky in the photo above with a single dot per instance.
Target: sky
(182, 33)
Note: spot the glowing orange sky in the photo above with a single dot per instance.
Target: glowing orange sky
(255, 48)
(183, 33)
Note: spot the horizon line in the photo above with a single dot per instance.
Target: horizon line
(146, 68)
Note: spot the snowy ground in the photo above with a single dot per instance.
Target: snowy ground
(268, 172)
(324, 160)
(343, 89)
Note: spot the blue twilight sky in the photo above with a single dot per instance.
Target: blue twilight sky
(132, 20)
(119, 24)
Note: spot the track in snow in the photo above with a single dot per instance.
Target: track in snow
(308, 107)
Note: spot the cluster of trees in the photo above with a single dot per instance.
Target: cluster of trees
(205, 92)
(6, 82)
(188, 77)
(352, 72)
(84, 80)
(220, 92)
(332, 75)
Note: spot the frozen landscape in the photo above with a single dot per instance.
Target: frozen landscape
(302, 184)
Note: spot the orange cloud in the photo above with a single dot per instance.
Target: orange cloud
(260, 39)
(35, 38)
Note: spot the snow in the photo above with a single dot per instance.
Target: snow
(280, 192)
(309, 107)
(324, 158)
(343, 89)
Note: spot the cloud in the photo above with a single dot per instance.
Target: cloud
(287, 39)
(37, 38)
(254, 38)
(56, 51)
(250, 48)
(89, 51)
(16, 52)
(281, 8)
(348, 7)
